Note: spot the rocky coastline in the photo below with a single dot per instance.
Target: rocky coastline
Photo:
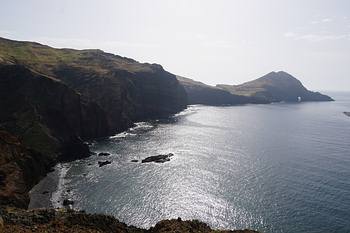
(52, 100)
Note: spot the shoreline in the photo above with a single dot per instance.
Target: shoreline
(40, 195)
(48, 192)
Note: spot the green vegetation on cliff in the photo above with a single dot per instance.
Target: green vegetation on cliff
(125, 89)
(53, 99)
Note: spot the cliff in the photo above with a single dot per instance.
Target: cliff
(124, 89)
(52, 100)
(42, 121)
(23, 221)
(276, 87)
(200, 93)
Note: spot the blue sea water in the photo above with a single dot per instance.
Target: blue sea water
(274, 168)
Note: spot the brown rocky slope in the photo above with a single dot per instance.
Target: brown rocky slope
(42, 220)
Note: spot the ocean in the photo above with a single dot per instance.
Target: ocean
(274, 168)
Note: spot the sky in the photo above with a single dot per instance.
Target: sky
(213, 41)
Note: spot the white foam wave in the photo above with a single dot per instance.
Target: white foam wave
(139, 126)
(56, 196)
(189, 110)
(122, 135)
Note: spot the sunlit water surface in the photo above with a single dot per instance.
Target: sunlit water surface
(274, 168)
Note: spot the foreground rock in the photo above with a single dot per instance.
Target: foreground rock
(158, 158)
(347, 113)
(69, 221)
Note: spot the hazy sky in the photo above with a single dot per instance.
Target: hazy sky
(213, 41)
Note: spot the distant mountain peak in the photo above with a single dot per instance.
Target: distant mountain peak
(275, 87)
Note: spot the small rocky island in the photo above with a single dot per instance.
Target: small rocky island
(158, 158)
(347, 113)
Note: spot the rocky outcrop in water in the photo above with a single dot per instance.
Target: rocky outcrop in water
(347, 113)
(103, 163)
(158, 158)
(69, 221)
(276, 87)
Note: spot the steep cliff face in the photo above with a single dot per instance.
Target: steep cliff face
(127, 96)
(276, 87)
(46, 114)
(200, 93)
(124, 89)
(41, 121)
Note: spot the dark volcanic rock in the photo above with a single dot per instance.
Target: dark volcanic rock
(134, 160)
(103, 154)
(104, 163)
(276, 87)
(347, 113)
(200, 93)
(158, 158)
(67, 202)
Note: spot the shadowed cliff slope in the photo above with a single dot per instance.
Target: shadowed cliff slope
(276, 87)
(53, 99)
(124, 89)
(42, 121)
